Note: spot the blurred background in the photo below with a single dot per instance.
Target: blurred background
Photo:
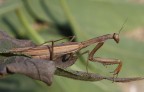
(43, 20)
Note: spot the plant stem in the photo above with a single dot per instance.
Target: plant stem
(32, 34)
(72, 20)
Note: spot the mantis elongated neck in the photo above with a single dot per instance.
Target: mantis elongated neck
(97, 40)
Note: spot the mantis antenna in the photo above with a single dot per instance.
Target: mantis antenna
(123, 25)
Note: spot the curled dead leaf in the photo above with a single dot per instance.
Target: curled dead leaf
(42, 70)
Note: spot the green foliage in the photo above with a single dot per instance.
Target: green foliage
(93, 18)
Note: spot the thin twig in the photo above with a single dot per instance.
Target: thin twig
(80, 75)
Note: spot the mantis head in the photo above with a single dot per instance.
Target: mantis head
(116, 35)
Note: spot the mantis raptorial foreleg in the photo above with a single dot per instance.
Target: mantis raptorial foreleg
(105, 61)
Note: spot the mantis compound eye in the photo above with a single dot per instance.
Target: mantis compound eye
(116, 37)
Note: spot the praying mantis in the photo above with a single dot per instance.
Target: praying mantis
(66, 51)
(64, 55)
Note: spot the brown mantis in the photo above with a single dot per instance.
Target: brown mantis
(63, 58)
(66, 51)
(70, 48)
